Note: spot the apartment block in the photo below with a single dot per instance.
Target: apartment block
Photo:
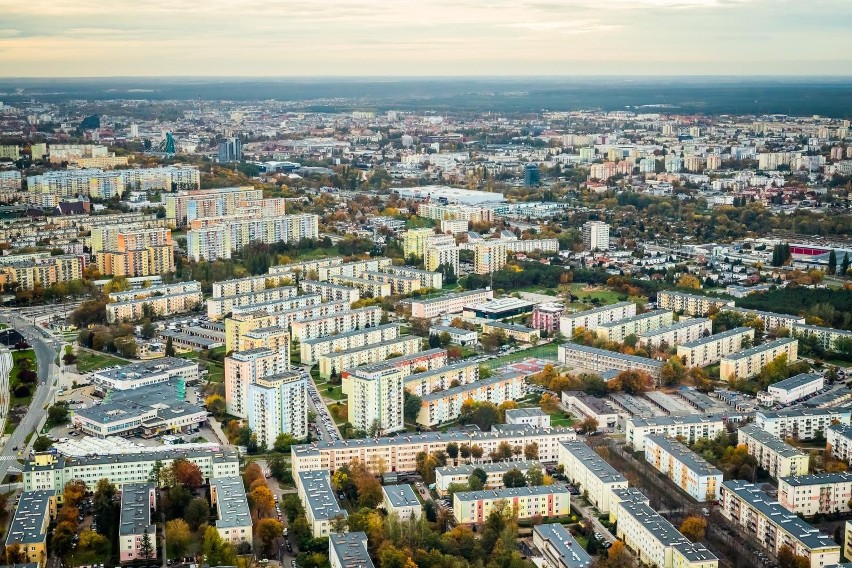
(690, 428)
(399, 284)
(684, 331)
(317, 496)
(773, 527)
(690, 304)
(839, 441)
(414, 241)
(209, 237)
(473, 507)
(557, 547)
(338, 322)
(186, 206)
(349, 358)
(368, 288)
(618, 330)
(428, 278)
(248, 285)
(801, 423)
(42, 272)
(826, 336)
(217, 308)
(402, 500)
(590, 473)
(442, 255)
(278, 404)
(447, 475)
(306, 268)
(275, 338)
(457, 335)
(353, 269)
(330, 292)
(209, 243)
(167, 303)
(443, 406)
(312, 349)
(137, 502)
(594, 359)
(442, 378)
(399, 453)
(448, 303)
(349, 550)
(533, 245)
(591, 319)
(771, 320)
(748, 363)
(233, 518)
(713, 348)
(376, 401)
(773, 454)
(816, 494)
(28, 530)
(595, 236)
(243, 368)
(417, 362)
(545, 317)
(239, 324)
(287, 317)
(685, 468)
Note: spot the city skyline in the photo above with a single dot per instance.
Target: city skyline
(409, 38)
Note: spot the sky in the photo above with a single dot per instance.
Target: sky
(103, 38)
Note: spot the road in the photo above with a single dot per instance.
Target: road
(326, 426)
(45, 347)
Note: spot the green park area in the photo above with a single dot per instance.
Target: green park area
(88, 361)
(548, 351)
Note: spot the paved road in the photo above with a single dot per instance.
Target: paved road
(327, 433)
(45, 347)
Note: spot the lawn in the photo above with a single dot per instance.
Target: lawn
(216, 372)
(559, 418)
(334, 392)
(88, 361)
(838, 363)
(547, 351)
(14, 381)
(339, 412)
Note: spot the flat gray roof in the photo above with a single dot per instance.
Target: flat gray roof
(684, 455)
(614, 354)
(353, 333)
(681, 324)
(601, 309)
(760, 348)
(630, 319)
(665, 532)
(401, 495)
(818, 478)
(594, 462)
(351, 549)
(674, 420)
(29, 524)
(820, 329)
(231, 503)
(570, 553)
(494, 467)
(804, 412)
(493, 380)
(124, 405)
(143, 368)
(750, 311)
(716, 336)
(764, 438)
(529, 412)
(320, 495)
(796, 381)
(397, 341)
(512, 492)
(136, 509)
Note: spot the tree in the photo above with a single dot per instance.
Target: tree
(689, 281)
(787, 558)
(283, 442)
(187, 473)
(178, 538)
(453, 450)
(73, 493)
(694, 528)
(215, 403)
(514, 478)
(197, 513)
(589, 425)
(477, 479)
(832, 262)
(57, 414)
(104, 505)
(146, 547)
(251, 473)
(672, 372)
(367, 485)
(338, 524)
(634, 381)
(844, 266)
(261, 500)
(531, 451)
(42, 444)
(217, 551)
(411, 406)
(126, 346)
(549, 403)
(535, 476)
(148, 331)
(170, 349)
(267, 531)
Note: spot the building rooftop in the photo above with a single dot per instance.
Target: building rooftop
(452, 296)
(320, 495)
(818, 478)
(163, 399)
(501, 304)
(746, 353)
(615, 354)
(750, 311)
(802, 531)
(716, 336)
(631, 319)
(525, 413)
(664, 531)
(843, 430)
(353, 333)
(795, 382)
(493, 380)
(775, 444)
(510, 326)
(388, 363)
(594, 462)
(569, 553)
(601, 309)
(512, 492)
(594, 403)
(31, 518)
(231, 503)
(818, 329)
(494, 467)
(684, 455)
(388, 342)
(140, 370)
(401, 496)
(136, 509)
(351, 549)
(673, 420)
(161, 453)
(681, 324)
(452, 368)
(450, 330)
(800, 412)
(696, 296)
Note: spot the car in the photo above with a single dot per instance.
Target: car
(293, 564)
(607, 544)
(285, 531)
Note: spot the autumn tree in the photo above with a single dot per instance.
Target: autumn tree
(589, 425)
(215, 403)
(531, 451)
(178, 538)
(261, 501)
(187, 473)
(267, 530)
(549, 403)
(694, 528)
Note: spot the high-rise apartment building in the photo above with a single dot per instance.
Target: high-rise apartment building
(230, 150)
(376, 400)
(243, 368)
(138, 253)
(278, 404)
(489, 256)
(595, 236)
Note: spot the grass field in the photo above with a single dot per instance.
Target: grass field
(548, 351)
(339, 412)
(560, 418)
(325, 391)
(88, 361)
(216, 372)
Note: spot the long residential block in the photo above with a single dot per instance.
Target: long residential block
(338, 322)
(748, 363)
(839, 441)
(684, 331)
(618, 330)
(217, 308)
(773, 454)
(137, 502)
(590, 473)
(826, 336)
(312, 349)
(691, 428)
(347, 359)
(317, 496)
(591, 319)
(330, 292)
(713, 348)
(442, 378)
(816, 494)
(558, 548)
(801, 423)
(690, 304)
(771, 320)
(594, 359)
(473, 507)
(28, 530)
(685, 468)
(447, 475)
(233, 518)
(448, 303)
(444, 406)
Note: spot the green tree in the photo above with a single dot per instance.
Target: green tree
(170, 349)
(146, 547)
(197, 513)
(832, 262)
(535, 476)
(178, 538)
(411, 406)
(514, 478)
(844, 266)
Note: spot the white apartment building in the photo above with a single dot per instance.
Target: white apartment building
(595, 236)
(533, 245)
(618, 330)
(347, 359)
(796, 388)
(591, 319)
(771, 320)
(684, 331)
(750, 362)
(168, 303)
(558, 548)
(349, 550)
(534, 417)
(453, 303)
(685, 468)
(708, 350)
(457, 335)
(691, 428)
(827, 336)
(437, 255)
(801, 423)
(428, 278)
(317, 496)
(443, 406)
(278, 404)
(339, 322)
(233, 518)
(580, 404)
(447, 475)
(399, 453)
(217, 308)
(816, 494)
(773, 527)
(354, 269)
(247, 285)
(839, 441)
(243, 368)
(399, 284)
(690, 304)
(366, 287)
(489, 256)
(376, 401)
(402, 500)
(590, 473)
(442, 378)
(137, 502)
(777, 457)
(312, 349)
(594, 359)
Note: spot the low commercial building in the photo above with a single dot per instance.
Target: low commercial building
(826, 336)
(684, 331)
(442, 378)
(349, 550)
(591, 319)
(349, 358)
(137, 502)
(594, 359)
(443, 406)
(447, 475)
(690, 304)
(558, 548)
(748, 363)
(796, 388)
(519, 333)
(312, 349)
(713, 348)
(801, 423)
(402, 500)
(772, 526)
(580, 404)
(448, 303)
(690, 428)
(458, 336)
(473, 507)
(618, 330)
(656, 541)
(534, 417)
(50, 471)
(496, 309)
(317, 496)
(773, 454)
(399, 453)
(146, 373)
(688, 470)
(771, 320)
(590, 473)
(28, 530)
(233, 518)
(839, 441)
(816, 494)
